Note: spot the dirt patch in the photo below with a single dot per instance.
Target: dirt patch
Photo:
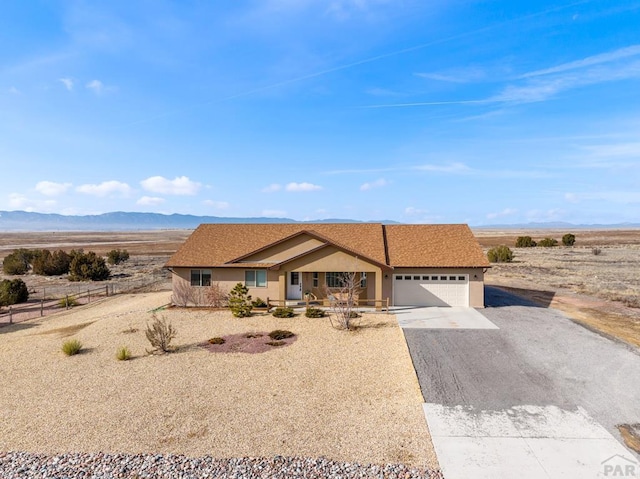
(631, 435)
(68, 330)
(250, 343)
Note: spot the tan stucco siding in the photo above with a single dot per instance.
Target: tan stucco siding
(476, 281)
(329, 259)
(227, 278)
(286, 250)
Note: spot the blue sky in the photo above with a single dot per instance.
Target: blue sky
(445, 111)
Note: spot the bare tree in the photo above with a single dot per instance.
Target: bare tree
(184, 294)
(343, 300)
(216, 296)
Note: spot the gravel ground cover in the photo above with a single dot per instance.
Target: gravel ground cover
(347, 396)
(156, 466)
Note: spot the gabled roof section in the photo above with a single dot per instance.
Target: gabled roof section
(438, 246)
(213, 245)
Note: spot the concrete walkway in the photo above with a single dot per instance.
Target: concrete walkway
(436, 317)
(525, 442)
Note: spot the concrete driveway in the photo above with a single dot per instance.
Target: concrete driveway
(538, 397)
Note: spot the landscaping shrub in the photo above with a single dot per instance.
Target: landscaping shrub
(283, 312)
(548, 242)
(596, 251)
(275, 343)
(123, 354)
(51, 264)
(259, 303)
(500, 254)
(68, 302)
(312, 312)
(13, 291)
(216, 296)
(88, 267)
(280, 334)
(160, 334)
(525, 242)
(217, 340)
(253, 335)
(17, 262)
(569, 239)
(117, 256)
(240, 301)
(71, 347)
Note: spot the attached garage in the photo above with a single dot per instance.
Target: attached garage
(431, 289)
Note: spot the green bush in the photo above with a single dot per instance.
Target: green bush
(71, 347)
(217, 340)
(569, 239)
(283, 313)
(240, 301)
(68, 302)
(500, 254)
(259, 303)
(51, 264)
(117, 256)
(280, 334)
(13, 291)
(88, 267)
(17, 262)
(525, 242)
(312, 312)
(548, 242)
(123, 354)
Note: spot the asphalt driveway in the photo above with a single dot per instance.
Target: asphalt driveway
(539, 375)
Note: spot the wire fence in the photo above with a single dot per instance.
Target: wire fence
(54, 298)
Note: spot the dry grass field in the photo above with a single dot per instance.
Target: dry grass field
(601, 291)
(350, 396)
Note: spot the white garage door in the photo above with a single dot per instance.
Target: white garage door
(433, 289)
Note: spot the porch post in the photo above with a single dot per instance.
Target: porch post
(378, 295)
(282, 287)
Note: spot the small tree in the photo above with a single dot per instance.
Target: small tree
(525, 242)
(160, 333)
(240, 301)
(548, 242)
(117, 256)
(216, 296)
(13, 292)
(569, 239)
(17, 262)
(183, 293)
(500, 254)
(344, 300)
(51, 264)
(88, 267)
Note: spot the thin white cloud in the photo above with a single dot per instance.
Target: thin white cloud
(14, 91)
(50, 188)
(379, 183)
(376, 91)
(412, 211)
(96, 85)
(618, 197)
(302, 187)
(272, 188)
(106, 188)
(179, 186)
(21, 202)
(67, 82)
(150, 201)
(219, 205)
(502, 214)
(453, 168)
(622, 53)
(274, 213)
(459, 75)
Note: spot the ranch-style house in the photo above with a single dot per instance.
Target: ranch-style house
(410, 265)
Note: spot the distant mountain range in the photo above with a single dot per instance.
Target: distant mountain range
(123, 221)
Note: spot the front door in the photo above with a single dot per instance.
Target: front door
(294, 285)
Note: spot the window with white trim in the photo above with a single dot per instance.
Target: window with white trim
(255, 278)
(316, 279)
(335, 280)
(200, 277)
(363, 280)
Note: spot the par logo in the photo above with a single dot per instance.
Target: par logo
(620, 466)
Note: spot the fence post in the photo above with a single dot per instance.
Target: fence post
(42, 307)
(67, 302)
(106, 289)
(10, 315)
(88, 295)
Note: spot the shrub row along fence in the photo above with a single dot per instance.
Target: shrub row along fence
(55, 299)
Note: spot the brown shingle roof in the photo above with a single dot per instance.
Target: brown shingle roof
(406, 245)
(433, 246)
(217, 244)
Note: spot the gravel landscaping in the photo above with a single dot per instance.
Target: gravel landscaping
(352, 397)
